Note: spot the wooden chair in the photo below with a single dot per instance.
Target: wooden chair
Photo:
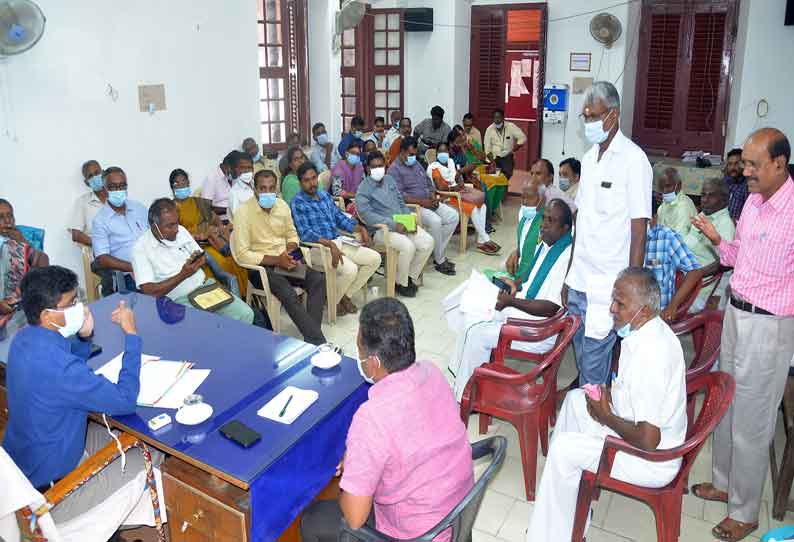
(35, 522)
(92, 280)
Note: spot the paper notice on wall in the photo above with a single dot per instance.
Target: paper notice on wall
(526, 67)
(535, 83)
(515, 91)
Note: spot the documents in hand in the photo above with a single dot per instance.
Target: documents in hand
(164, 384)
(288, 405)
(352, 241)
(472, 301)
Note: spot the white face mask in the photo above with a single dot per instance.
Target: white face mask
(360, 364)
(526, 212)
(74, 317)
(669, 197)
(246, 177)
(377, 173)
(594, 131)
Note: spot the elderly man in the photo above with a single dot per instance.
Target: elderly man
(252, 149)
(323, 154)
(570, 171)
(646, 407)
(318, 220)
(167, 262)
(438, 218)
(241, 168)
(614, 202)
(737, 184)
(408, 457)
(430, 132)
(217, 185)
(542, 174)
(88, 205)
(356, 133)
(676, 209)
(265, 235)
(377, 201)
(714, 201)
(404, 131)
(502, 141)
(758, 332)
(116, 227)
(534, 295)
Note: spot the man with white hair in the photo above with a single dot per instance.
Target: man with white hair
(645, 406)
(614, 206)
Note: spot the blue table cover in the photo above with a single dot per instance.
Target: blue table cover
(249, 366)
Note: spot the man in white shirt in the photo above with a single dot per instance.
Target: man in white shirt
(242, 171)
(89, 204)
(542, 174)
(646, 407)
(534, 296)
(167, 261)
(323, 153)
(614, 206)
(217, 184)
(502, 141)
(394, 129)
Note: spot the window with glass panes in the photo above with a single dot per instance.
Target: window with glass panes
(283, 70)
(387, 62)
(350, 77)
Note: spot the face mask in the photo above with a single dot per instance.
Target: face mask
(527, 212)
(267, 200)
(443, 157)
(396, 125)
(669, 197)
(257, 156)
(565, 184)
(411, 160)
(96, 183)
(353, 159)
(117, 197)
(366, 378)
(357, 134)
(322, 139)
(625, 329)
(182, 193)
(163, 240)
(377, 173)
(74, 317)
(594, 131)
(246, 177)
(499, 125)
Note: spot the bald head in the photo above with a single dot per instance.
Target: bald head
(765, 156)
(530, 195)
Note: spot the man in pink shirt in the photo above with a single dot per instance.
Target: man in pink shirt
(408, 455)
(758, 331)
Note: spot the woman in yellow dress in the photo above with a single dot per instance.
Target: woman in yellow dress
(197, 217)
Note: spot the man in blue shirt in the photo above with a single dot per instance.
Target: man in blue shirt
(51, 390)
(356, 133)
(116, 227)
(318, 220)
(323, 154)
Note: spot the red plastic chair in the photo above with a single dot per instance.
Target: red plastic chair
(497, 390)
(666, 501)
(705, 282)
(706, 329)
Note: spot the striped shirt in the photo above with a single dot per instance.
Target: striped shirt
(762, 253)
(666, 253)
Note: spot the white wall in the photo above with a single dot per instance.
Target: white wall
(57, 112)
(324, 65)
(761, 70)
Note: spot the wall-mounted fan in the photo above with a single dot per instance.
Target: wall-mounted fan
(21, 26)
(606, 29)
(350, 15)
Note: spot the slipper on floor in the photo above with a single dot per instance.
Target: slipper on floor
(722, 534)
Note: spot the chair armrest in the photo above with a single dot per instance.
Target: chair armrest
(687, 325)
(417, 211)
(451, 195)
(325, 254)
(613, 445)
(486, 373)
(259, 269)
(87, 469)
(340, 202)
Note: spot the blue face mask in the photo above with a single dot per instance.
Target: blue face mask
(267, 200)
(565, 184)
(353, 159)
(443, 157)
(257, 157)
(358, 134)
(669, 197)
(96, 183)
(527, 212)
(117, 198)
(182, 193)
(625, 330)
(411, 160)
(322, 139)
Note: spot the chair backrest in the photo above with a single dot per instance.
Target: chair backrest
(323, 180)
(705, 282)
(564, 328)
(706, 330)
(718, 388)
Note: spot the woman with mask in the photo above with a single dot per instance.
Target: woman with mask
(448, 177)
(347, 174)
(290, 185)
(196, 216)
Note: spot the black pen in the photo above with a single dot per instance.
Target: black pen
(283, 410)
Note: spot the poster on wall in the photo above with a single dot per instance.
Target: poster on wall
(522, 73)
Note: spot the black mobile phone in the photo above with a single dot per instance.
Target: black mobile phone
(240, 433)
(502, 285)
(195, 258)
(95, 350)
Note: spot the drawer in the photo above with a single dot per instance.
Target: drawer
(196, 516)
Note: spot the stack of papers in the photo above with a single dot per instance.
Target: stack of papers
(288, 405)
(164, 384)
(352, 241)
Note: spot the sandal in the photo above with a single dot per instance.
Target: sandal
(708, 492)
(739, 532)
(487, 249)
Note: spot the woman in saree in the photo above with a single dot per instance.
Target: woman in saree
(494, 183)
(197, 217)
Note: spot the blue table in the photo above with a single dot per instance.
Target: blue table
(249, 366)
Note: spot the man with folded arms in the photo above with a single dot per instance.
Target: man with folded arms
(758, 332)
(167, 262)
(645, 406)
(318, 220)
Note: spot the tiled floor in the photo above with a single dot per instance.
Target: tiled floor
(505, 513)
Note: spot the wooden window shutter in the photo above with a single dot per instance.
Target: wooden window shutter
(708, 35)
(664, 36)
(487, 55)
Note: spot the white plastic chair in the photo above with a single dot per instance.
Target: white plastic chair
(92, 280)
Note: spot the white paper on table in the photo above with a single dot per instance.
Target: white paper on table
(598, 320)
(301, 400)
(112, 368)
(186, 385)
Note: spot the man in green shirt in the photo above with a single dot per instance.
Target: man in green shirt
(677, 209)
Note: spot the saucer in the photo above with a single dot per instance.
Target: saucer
(326, 359)
(194, 414)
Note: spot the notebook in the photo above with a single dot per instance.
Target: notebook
(407, 220)
(301, 400)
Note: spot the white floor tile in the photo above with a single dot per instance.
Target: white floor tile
(514, 528)
(493, 512)
(510, 479)
(481, 536)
